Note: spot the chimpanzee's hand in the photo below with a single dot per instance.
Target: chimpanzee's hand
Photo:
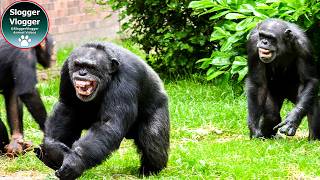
(288, 127)
(72, 167)
(51, 153)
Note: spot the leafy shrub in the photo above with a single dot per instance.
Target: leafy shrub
(172, 38)
(233, 20)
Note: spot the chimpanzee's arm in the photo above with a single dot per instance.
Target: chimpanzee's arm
(256, 100)
(60, 134)
(257, 93)
(103, 137)
(35, 106)
(61, 125)
(308, 90)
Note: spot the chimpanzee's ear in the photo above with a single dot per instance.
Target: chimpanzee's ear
(288, 34)
(43, 45)
(114, 65)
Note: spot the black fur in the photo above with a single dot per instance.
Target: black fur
(4, 138)
(18, 82)
(289, 73)
(129, 102)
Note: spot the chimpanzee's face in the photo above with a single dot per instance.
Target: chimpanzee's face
(267, 46)
(271, 40)
(90, 70)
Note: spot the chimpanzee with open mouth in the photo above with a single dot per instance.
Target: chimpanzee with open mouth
(115, 95)
(281, 66)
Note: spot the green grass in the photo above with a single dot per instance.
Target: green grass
(209, 139)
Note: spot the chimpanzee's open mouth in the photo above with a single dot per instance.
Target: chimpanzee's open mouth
(265, 53)
(85, 87)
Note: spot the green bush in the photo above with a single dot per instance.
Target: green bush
(171, 36)
(233, 20)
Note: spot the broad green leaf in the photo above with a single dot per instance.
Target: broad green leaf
(230, 25)
(223, 2)
(214, 75)
(218, 33)
(218, 15)
(287, 13)
(262, 6)
(203, 60)
(214, 9)
(211, 70)
(220, 61)
(253, 24)
(258, 14)
(246, 8)
(226, 54)
(201, 4)
(235, 16)
(244, 23)
(297, 14)
(206, 64)
(228, 44)
(241, 60)
(216, 36)
(238, 64)
(242, 73)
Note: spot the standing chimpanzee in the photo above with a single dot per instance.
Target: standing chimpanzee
(18, 83)
(115, 95)
(281, 66)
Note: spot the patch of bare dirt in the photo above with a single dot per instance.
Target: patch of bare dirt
(22, 175)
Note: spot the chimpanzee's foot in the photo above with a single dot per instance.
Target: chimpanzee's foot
(17, 146)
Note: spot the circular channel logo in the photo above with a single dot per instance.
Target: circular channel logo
(24, 24)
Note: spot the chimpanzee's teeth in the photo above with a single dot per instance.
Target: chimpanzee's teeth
(82, 83)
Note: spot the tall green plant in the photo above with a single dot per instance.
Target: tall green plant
(233, 20)
(172, 38)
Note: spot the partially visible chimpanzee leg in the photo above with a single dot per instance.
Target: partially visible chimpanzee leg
(14, 111)
(153, 141)
(14, 116)
(257, 96)
(4, 138)
(271, 116)
(35, 106)
(313, 122)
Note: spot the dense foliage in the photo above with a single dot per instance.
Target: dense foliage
(172, 37)
(184, 36)
(233, 20)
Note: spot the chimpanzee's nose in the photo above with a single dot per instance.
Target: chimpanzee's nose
(264, 41)
(83, 72)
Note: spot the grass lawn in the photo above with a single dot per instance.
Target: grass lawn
(209, 139)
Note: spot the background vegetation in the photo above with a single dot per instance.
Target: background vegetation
(169, 34)
(183, 36)
(209, 139)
